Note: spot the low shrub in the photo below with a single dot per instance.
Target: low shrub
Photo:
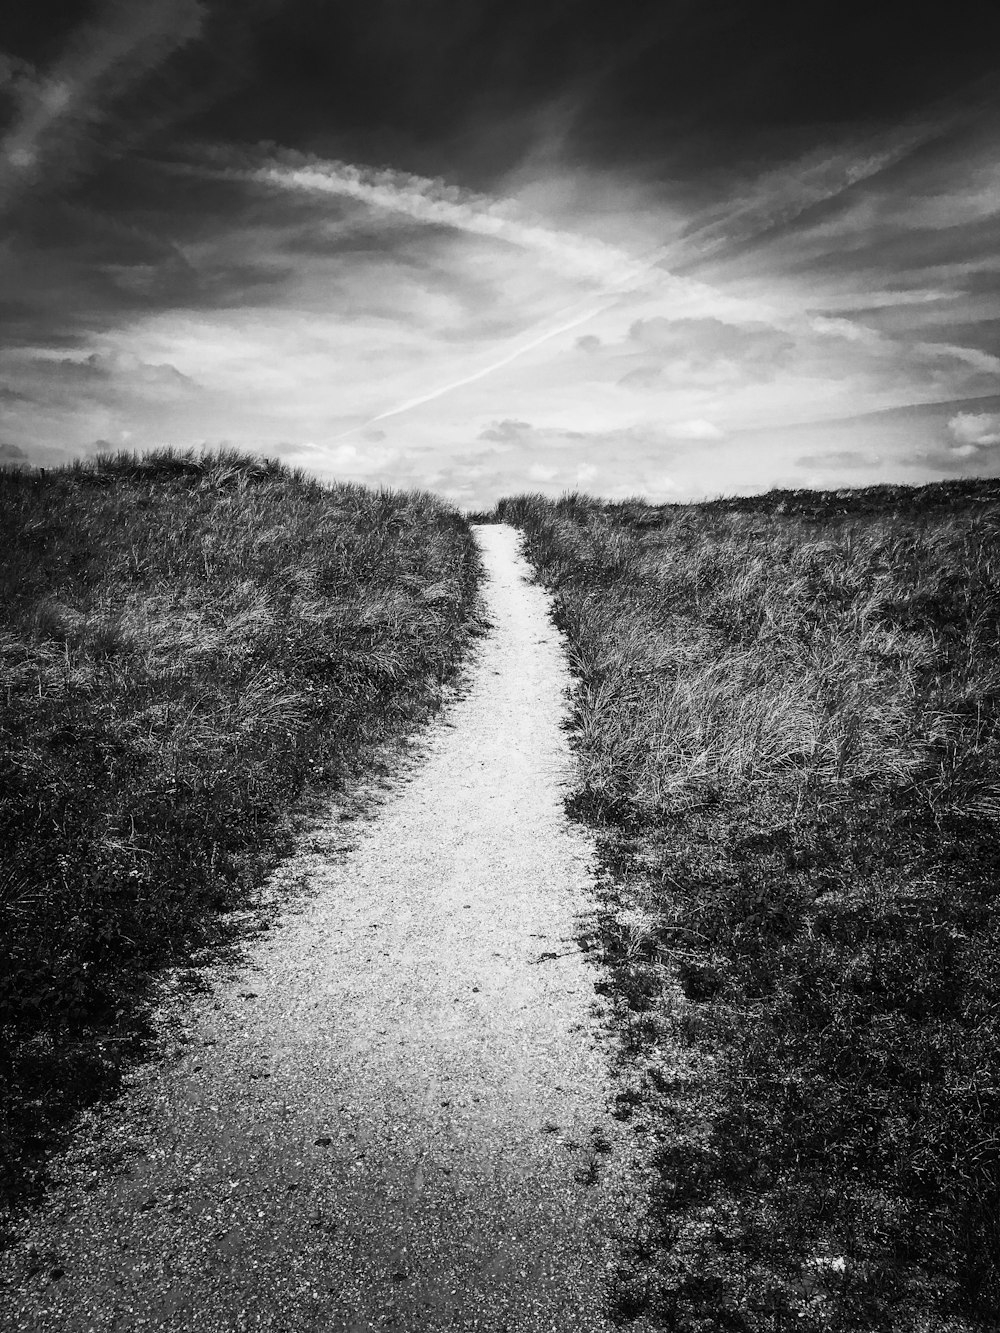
(189, 646)
(786, 719)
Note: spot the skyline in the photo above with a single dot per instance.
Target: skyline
(486, 249)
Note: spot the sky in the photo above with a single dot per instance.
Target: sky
(676, 249)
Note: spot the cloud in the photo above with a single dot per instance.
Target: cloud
(848, 329)
(507, 431)
(616, 272)
(710, 338)
(58, 111)
(102, 375)
(349, 460)
(621, 277)
(847, 459)
(437, 203)
(889, 298)
(659, 486)
(974, 431)
(542, 472)
(984, 362)
(12, 453)
(630, 457)
(643, 377)
(697, 429)
(703, 351)
(275, 448)
(17, 76)
(778, 198)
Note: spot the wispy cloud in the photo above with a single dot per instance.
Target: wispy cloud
(617, 274)
(613, 271)
(774, 199)
(438, 203)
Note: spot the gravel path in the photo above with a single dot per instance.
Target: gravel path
(394, 1114)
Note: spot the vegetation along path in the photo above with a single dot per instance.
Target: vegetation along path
(393, 1114)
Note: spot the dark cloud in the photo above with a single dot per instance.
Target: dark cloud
(391, 81)
(468, 85)
(944, 463)
(99, 377)
(70, 114)
(507, 432)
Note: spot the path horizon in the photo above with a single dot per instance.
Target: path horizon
(394, 1112)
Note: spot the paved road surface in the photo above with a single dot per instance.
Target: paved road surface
(394, 1116)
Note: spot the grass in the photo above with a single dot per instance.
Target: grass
(787, 719)
(190, 646)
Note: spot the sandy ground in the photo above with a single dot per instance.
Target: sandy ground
(394, 1114)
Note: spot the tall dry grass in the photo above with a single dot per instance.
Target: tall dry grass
(189, 646)
(786, 717)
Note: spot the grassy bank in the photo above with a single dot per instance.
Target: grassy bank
(786, 717)
(189, 647)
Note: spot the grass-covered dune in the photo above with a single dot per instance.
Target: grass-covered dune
(786, 716)
(189, 646)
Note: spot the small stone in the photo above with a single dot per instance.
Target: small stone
(324, 1141)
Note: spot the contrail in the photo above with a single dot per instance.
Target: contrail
(646, 276)
(505, 360)
(655, 278)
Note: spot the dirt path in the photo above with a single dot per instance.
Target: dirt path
(394, 1116)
